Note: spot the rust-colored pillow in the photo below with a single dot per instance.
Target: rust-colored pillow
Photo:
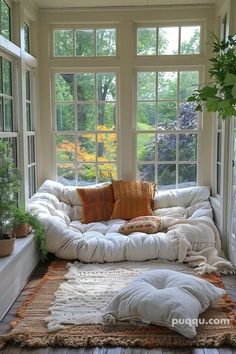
(146, 224)
(132, 199)
(97, 203)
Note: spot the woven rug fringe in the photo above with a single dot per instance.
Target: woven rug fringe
(60, 339)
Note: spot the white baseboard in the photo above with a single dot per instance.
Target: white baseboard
(15, 271)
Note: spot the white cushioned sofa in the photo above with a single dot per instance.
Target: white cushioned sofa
(188, 233)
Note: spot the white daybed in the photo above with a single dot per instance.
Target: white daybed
(188, 235)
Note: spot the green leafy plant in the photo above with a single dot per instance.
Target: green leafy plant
(20, 215)
(9, 187)
(219, 95)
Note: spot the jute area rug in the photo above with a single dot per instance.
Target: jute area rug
(31, 329)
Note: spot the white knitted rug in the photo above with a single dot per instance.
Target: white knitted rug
(90, 287)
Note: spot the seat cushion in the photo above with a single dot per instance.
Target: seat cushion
(146, 224)
(166, 298)
(132, 199)
(97, 203)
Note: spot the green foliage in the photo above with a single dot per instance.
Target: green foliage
(19, 215)
(9, 186)
(220, 95)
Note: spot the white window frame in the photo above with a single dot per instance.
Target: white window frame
(31, 133)
(184, 23)
(75, 133)
(177, 132)
(76, 27)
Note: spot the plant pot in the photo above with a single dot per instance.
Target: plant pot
(22, 230)
(7, 245)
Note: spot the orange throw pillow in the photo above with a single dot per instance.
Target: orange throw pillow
(132, 199)
(97, 203)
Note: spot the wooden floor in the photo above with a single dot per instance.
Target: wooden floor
(230, 285)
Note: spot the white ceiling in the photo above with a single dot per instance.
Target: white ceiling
(99, 3)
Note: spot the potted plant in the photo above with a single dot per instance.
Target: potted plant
(9, 187)
(24, 222)
(21, 222)
(219, 95)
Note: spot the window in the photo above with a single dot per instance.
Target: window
(86, 123)
(30, 136)
(6, 99)
(5, 20)
(84, 42)
(27, 37)
(182, 40)
(167, 128)
(219, 157)
(7, 124)
(219, 130)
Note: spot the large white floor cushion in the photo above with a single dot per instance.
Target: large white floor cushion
(164, 297)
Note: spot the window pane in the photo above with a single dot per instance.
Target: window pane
(106, 115)
(32, 180)
(106, 86)
(168, 40)
(146, 115)
(187, 147)
(188, 117)
(27, 84)
(218, 179)
(190, 40)
(166, 115)
(146, 41)
(8, 115)
(28, 117)
(86, 148)
(187, 175)
(146, 172)
(166, 176)
(107, 172)
(64, 84)
(86, 117)
(167, 85)
(107, 146)
(85, 86)
(106, 42)
(5, 20)
(1, 115)
(66, 174)
(31, 149)
(86, 174)
(219, 147)
(84, 43)
(146, 82)
(26, 37)
(188, 82)
(63, 43)
(146, 146)
(6, 72)
(166, 144)
(65, 148)
(65, 116)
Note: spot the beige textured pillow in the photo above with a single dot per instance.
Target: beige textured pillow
(146, 224)
(132, 199)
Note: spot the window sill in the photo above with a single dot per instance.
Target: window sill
(16, 269)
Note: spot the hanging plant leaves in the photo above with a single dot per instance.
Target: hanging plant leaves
(220, 95)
